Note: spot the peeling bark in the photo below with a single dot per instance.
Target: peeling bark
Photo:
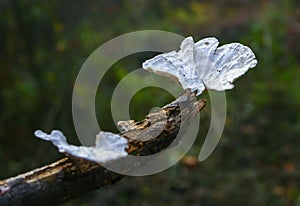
(69, 178)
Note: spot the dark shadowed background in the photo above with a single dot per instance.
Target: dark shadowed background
(44, 44)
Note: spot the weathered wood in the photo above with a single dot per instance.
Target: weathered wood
(69, 177)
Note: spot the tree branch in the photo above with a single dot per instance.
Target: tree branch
(70, 177)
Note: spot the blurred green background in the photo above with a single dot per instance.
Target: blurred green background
(44, 44)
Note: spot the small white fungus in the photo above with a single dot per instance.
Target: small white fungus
(108, 146)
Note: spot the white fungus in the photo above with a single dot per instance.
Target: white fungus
(196, 66)
(108, 146)
(203, 64)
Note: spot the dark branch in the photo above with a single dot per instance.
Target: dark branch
(69, 177)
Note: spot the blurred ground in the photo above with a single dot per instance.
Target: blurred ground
(45, 43)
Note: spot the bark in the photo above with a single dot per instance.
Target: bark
(69, 177)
